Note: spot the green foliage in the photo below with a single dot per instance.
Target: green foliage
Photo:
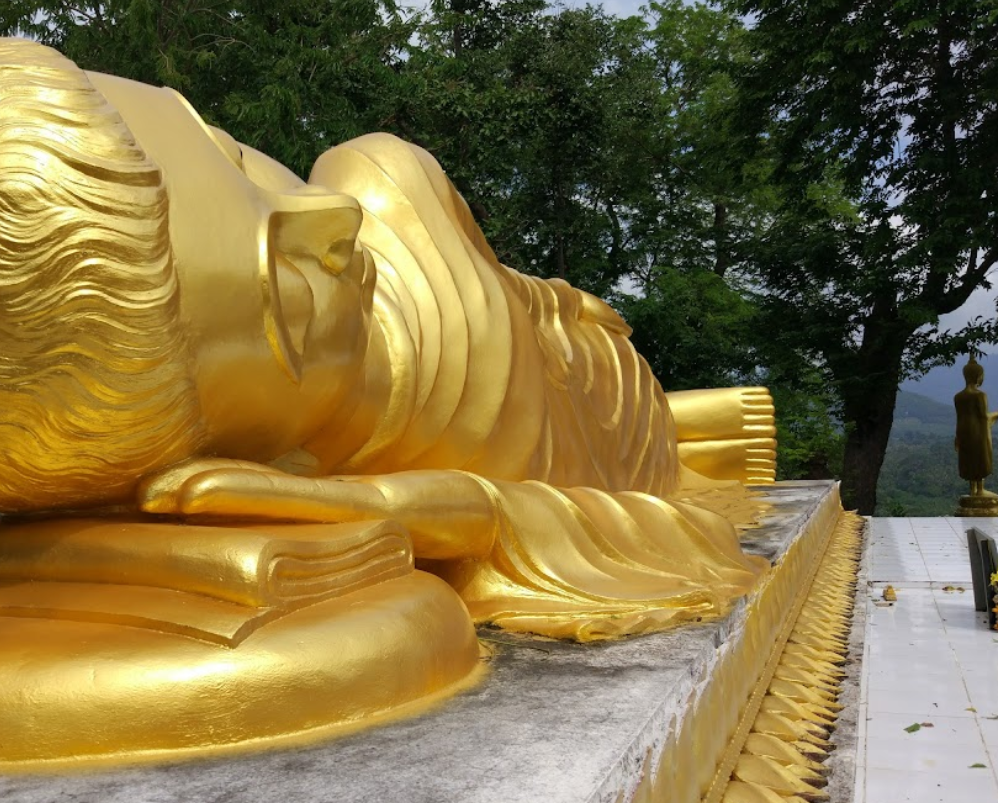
(693, 328)
(811, 439)
(881, 119)
(920, 477)
(290, 78)
(707, 203)
(546, 123)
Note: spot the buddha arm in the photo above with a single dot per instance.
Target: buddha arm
(449, 514)
(726, 433)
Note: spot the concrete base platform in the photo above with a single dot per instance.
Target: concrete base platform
(553, 721)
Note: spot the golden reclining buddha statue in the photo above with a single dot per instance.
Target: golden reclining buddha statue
(237, 409)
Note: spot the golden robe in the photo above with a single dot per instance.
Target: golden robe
(532, 387)
(973, 435)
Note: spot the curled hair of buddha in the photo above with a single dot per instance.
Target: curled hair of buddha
(973, 372)
(93, 387)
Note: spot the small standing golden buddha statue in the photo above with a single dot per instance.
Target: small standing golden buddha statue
(238, 409)
(973, 442)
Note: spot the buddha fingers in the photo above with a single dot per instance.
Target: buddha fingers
(252, 491)
(449, 514)
(160, 492)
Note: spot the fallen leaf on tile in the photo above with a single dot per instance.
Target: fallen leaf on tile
(978, 766)
(913, 727)
(928, 724)
(949, 589)
(971, 709)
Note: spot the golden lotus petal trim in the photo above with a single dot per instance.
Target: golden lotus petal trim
(777, 753)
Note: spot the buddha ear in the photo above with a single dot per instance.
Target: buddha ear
(306, 224)
(313, 223)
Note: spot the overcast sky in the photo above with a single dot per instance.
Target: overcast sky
(981, 303)
(619, 8)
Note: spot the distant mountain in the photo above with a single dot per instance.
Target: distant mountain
(944, 382)
(916, 408)
(919, 476)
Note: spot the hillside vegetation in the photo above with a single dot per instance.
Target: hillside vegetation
(919, 476)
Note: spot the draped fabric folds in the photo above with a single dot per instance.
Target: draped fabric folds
(533, 387)
(512, 377)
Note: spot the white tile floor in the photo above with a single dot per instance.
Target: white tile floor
(929, 659)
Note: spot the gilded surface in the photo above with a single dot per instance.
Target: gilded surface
(973, 428)
(203, 345)
(759, 730)
(784, 747)
(973, 442)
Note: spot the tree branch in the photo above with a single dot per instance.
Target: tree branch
(955, 297)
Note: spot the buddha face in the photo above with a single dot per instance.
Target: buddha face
(274, 295)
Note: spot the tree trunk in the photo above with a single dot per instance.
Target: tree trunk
(559, 255)
(722, 253)
(868, 428)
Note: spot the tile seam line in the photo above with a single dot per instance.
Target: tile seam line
(918, 545)
(966, 689)
(977, 718)
(862, 759)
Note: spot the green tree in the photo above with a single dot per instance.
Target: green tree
(708, 201)
(695, 305)
(545, 123)
(692, 319)
(290, 78)
(882, 119)
(693, 328)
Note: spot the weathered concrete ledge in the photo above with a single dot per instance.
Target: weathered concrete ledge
(553, 721)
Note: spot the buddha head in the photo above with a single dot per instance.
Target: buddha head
(164, 291)
(973, 373)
